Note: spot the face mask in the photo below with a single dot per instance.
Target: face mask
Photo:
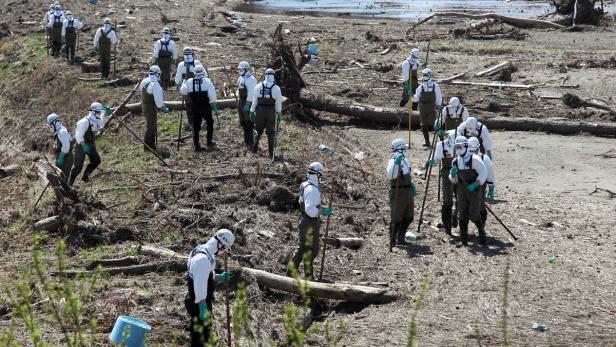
(188, 58)
(107, 26)
(58, 12)
(460, 151)
(269, 78)
(70, 18)
(166, 37)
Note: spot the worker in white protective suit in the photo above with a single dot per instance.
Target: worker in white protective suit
(451, 117)
(429, 97)
(468, 173)
(309, 220)
(202, 94)
(202, 280)
(85, 138)
(402, 192)
(165, 54)
(474, 147)
(472, 127)
(444, 152)
(63, 148)
(246, 86)
(410, 82)
(266, 111)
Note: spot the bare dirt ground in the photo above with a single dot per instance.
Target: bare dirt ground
(543, 188)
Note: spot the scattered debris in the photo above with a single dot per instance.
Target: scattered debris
(609, 192)
(540, 326)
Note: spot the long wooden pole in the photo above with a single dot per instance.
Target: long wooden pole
(428, 174)
(180, 128)
(227, 306)
(331, 198)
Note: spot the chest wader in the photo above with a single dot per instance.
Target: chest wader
(68, 157)
(150, 111)
(70, 41)
(265, 119)
(201, 110)
(447, 192)
(309, 235)
(427, 112)
(80, 155)
(199, 330)
(104, 49)
(452, 123)
(245, 122)
(483, 189)
(468, 203)
(188, 74)
(402, 205)
(56, 35)
(164, 63)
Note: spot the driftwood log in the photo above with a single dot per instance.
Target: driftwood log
(391, 116)
(513, 21)
(493, 70)
(90, 67)
(49, 223)
(9, 170)
(170, 265)
(117, 262)
(343, 292)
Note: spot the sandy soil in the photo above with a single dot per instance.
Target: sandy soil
(541, 179)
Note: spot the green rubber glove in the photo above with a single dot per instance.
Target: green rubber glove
(279, 118)
(398, 160)
(172, 61)
(491, 193)
(407, 86)
(327, 211)
(247, 107)
(166, 109)
(223, 277)
(214, 107)
(430, 162)
(184, 82)
(424, 64)
(97, 50)
(441, 133)
(155, 61)
(490, 155)
(437, 126)
(61, 40)
(202, 311)
(413, 190)
(251, 116)
(60, 160)
(411, 93)
(472, 186)
(107, 110)
(177, 88)
(85, 147)
(453, 172)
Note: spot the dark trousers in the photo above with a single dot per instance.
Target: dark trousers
(265, 119)
(70, 52)
(151, 117)
(80, 156)
(402, 211)
(197, 118)
(199, 330)
(247, 125)
(56, 46)
(309, 234)
(105, 60)
(68, 164)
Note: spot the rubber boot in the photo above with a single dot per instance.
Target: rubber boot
(426, 135)
(484, 216)
(446, 219)
(270, 145)
(482, 232)
(400, 235)
(454, 218)
(255, 145)
(392, 234)
(464, 232)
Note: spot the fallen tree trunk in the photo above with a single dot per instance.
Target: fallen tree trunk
(342, 292)
(493, 70)
(50, 223)
(348, 242)
(551, 126)
(171, 265)
(9, 170)
(389, 116)
(117, 262)
(364, 112)
(90, 67)
(495, 85)
(513, 21)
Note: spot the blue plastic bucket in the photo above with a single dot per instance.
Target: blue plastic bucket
(93, 2)
(312, 49)
(129, 331)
